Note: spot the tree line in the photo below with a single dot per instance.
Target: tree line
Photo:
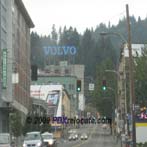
(97, 53)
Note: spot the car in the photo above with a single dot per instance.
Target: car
(84, 136)
(5, 140)
(72, 131)
(33, 139)
(72, 137)
(76, 135)
(49, 139)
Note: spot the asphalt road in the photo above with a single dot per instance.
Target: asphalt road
(97, 137)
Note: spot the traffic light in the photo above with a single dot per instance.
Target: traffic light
(104, 85)
(78, 85)
(34, 75)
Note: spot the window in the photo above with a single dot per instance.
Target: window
(47, 71)
(4, 126)
(66, 71)
(64, 86)
(73, 87)
(3, 22)
(56, 71)
(70, 86)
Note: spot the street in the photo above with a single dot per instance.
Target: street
(68, 69)
(98, 137)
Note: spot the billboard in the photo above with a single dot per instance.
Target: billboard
(52, 94)
(53, 98)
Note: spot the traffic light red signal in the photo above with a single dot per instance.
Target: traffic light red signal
(104, 85)
(78, 85)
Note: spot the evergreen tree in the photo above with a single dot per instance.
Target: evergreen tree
(37, 54)
(141, 78)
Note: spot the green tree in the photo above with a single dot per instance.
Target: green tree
(141, 78)
(37, 54)
(104, 100)
(87, 48)
(70, 37)
(54, 35)
(16, 123)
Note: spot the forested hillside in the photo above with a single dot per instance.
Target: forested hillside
(96, 52)
(90, 45)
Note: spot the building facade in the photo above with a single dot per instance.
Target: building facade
(56, 97)
(67, 75)
(124, 100)
(15, 53)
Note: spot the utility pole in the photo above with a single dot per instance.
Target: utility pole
(131, 78)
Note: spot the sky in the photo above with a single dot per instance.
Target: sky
(80, 14)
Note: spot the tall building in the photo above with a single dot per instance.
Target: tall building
(15, 27)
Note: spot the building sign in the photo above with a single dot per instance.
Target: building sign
(52, 94)
(4, 68)
(59, 50)
(53, 98)
(142, 114)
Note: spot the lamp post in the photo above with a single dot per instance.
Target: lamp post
(116, 34)
(131, 73)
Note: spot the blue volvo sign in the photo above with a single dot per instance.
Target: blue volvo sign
(59, 50)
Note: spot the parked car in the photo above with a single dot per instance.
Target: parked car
(33, 139)
(49, 139)
(84, 136)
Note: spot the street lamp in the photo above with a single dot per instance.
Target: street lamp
(131, 73)
(114, 33)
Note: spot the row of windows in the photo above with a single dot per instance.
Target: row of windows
(58, 71)
(3, 43)
(69, 86)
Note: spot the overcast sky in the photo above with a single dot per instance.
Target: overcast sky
(81, 14)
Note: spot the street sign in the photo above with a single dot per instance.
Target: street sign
(15, 78)
(91, 86)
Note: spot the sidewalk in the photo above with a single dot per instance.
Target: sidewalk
(118, 143)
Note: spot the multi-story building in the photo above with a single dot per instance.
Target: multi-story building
(56, 97)
(67, 75)
(124, 100)
(39, 107)
(15, 27)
